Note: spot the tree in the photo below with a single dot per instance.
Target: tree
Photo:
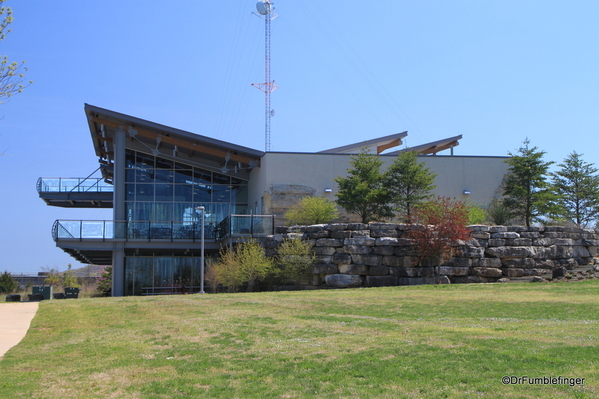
(409, 182)
(105, 281)
(53, 279)
(7, 283)
(311, 210)
(69, 279)
(526, 190)
(11, 73)
(441, 224)
(295, 258)
(363, 192)
(576, 186)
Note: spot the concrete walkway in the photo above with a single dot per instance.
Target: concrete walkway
(15, 318)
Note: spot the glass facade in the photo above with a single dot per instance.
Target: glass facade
(161, 190)
(155, 275)
(161, 201)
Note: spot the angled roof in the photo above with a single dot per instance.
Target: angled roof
(432, 147)
(379, 144)
(166, 141)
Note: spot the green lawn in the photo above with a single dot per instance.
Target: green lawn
(448, 341)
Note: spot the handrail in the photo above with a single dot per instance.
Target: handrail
(90, 175)
(245, 225)
(57, 229)
(72, 185)
(103, 230)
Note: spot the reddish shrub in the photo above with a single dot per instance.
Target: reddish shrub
(440, 225)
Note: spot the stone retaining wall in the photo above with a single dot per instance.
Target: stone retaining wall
(379, 254)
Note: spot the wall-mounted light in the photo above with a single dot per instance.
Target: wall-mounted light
(466, 192)
(328, 190)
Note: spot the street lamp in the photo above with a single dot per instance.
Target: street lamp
(201, 209)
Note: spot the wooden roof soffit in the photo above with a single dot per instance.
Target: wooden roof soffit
(193, 146)
(438, 148)
(391, 144)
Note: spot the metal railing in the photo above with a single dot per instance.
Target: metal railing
(104, 230)
(245, 226)
(73, 185)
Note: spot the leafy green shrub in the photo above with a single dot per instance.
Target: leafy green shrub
(7, 283)
(69, 280)
(311, 210)
(246, 264)
(295, 258)
(498, 213)
(210, 276)
(476, 214)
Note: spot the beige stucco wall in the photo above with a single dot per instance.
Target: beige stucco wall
(481, 176)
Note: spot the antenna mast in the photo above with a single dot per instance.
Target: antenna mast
(265, 9)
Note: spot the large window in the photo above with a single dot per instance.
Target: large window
(163, 190)
(151, 275)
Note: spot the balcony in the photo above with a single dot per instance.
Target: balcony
(238, 226)
(92, 241)
(108, 230)
(75, 192)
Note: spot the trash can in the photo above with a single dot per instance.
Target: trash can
(13, 298)
(71, 293)
(45, 291)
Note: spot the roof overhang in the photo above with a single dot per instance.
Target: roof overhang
(433, 147)
(166, 142)
(377, 145)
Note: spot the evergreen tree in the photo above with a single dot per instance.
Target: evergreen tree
(363, 192)
(576, 186)
(105, 281)
(526, 190)
(409, 182)
(7, 283)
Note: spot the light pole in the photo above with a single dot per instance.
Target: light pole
(201, 209)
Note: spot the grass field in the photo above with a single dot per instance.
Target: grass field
(447, 341)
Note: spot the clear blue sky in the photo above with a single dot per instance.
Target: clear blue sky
(494, 71)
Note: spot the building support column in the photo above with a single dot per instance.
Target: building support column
(118, 272)
(119, 214)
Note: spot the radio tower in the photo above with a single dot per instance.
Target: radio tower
(265, 9)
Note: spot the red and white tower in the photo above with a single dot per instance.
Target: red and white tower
(266, 11)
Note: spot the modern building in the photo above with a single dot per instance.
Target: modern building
(169, 187)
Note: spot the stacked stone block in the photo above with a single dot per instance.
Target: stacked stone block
(380, 254)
